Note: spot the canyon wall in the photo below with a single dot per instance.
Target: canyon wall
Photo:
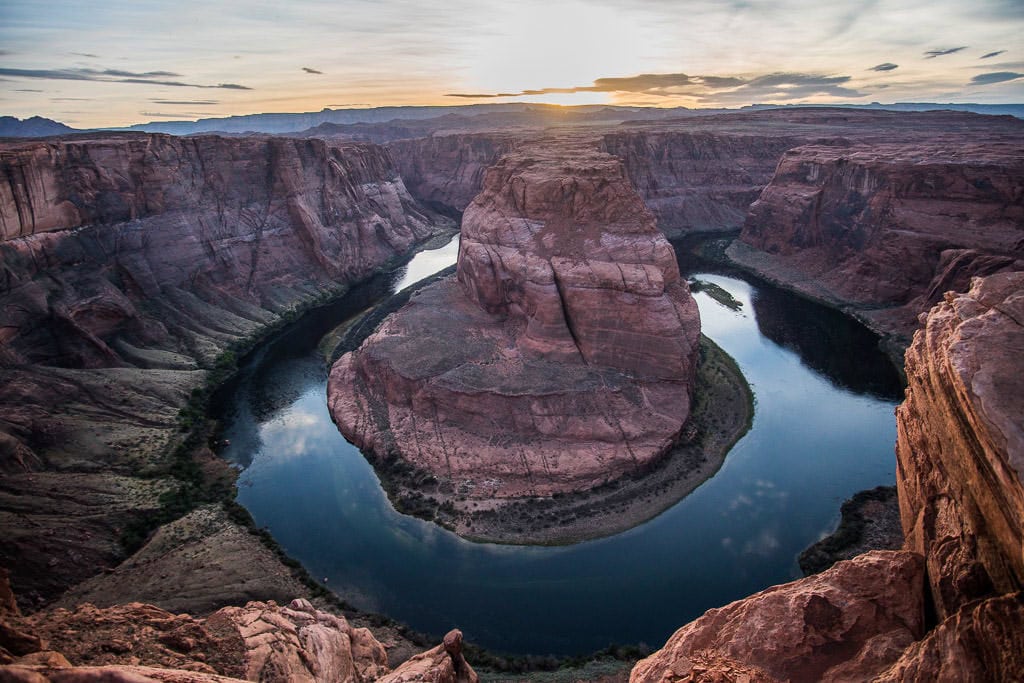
(698, 181)
(130, 264)
(576, 348)
(960, 447)
(884, 229)
(949, 606)
(446, 172)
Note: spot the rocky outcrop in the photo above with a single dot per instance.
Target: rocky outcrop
(443, 664)
(698, 181)
(960, 446)
(886, 228)
(960, 457)
(446, 171)
(576, 340)
(848, 623)
(261, 641)
(130, 265)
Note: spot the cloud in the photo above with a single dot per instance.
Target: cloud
(784, 86)
(163, 115)
(885, 66)
(932, 54)
(86, 54)
(190, 103)
(311, 71)
(995, 77)
(992, 54)
(112, 76)
(27, 90)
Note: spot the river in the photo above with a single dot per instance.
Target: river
(823, 429)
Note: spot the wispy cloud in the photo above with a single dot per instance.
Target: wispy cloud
(932, 54)
(311, 71)
(995, 77)
(885, 66)
(189, 103)
(113, 76)
(992, 54)
(786, 86)
(86, 54)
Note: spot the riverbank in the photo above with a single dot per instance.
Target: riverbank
(722, 412)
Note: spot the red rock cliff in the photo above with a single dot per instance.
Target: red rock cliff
(698, 181)
(960, 454)
(960, 445)
(561, 359)
(128, 264)
(886, 228)
(446, 171)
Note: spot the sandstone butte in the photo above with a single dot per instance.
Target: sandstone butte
(948, 606)
(561, 358)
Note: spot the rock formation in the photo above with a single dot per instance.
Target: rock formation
(446, 172)
(886, 228)
(960, 453)
(261, 641)
(130, 263)
(960, 445)
(848, 623)
(699, 181)
(562, 357)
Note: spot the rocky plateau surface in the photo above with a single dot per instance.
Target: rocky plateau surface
(576, 337)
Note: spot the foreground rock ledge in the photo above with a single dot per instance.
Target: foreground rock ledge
(562, 358)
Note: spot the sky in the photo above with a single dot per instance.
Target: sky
(106, 63)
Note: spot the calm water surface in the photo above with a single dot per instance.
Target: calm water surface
(823, 429)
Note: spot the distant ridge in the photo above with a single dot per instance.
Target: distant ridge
(34, 127)
(489, 115)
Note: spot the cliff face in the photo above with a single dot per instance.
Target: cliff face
(128, 264)
(92, 229)
(960, 452)
(887, 228)
(960, 447)
(576, 339)
(698, 181)
(446, 171)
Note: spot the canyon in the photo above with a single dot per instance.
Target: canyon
(137, 267)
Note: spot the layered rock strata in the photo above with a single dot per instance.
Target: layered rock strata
(960, 447)
(884, 229)
(561, 358)
(130, 264)
(698, 181)
(447, 171)
(960, 453)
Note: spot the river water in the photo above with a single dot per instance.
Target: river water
(823, 429)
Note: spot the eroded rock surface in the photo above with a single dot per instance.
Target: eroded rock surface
(886, 228)
(960, 444)
(847, 623)
(130, 263)
(561, 358)
(698, 181)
